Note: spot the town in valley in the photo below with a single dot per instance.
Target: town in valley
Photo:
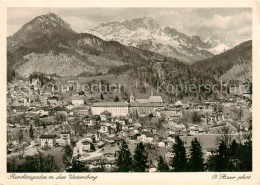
(80, 103)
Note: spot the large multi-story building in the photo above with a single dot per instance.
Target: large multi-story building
(146, 106)
(140, 106)
(115, 108)
(77, 101)
(48, 140)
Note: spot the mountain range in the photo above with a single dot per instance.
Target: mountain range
(146, 33)
(47, 44)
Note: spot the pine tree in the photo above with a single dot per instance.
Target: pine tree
(77, 166)
(124, 158)
(101, 97)
(140, 158)
(244, 156)
(196, 118)
(179, 161)
(31, 132)
(222, 158)
(248, 154)
(20, 135)
(116, 99)
(233, 154)
(67, 155)
(233, 149)
(162, 165)
(196, 157)
(92, 147)
(219, 161)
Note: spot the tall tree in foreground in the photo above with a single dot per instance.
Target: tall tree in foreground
(222, 158)
(179, 161)
(195, 163)
(244, 156)
(162, 165)
(140, 158)
(67, 155)
(219, 161)
(232, 157)
(20, 136)
(77, 165)
(124, 158)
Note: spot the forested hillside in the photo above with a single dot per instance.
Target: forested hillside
(174, 76)
(234, 64)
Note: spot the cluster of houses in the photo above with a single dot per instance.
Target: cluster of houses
(113, 122)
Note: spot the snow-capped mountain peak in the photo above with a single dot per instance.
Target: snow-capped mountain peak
(142, 23)
(146, 33)
(219, 44)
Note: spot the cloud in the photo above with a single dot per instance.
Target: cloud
(219, 21)
(227, 22)
(245, 31)
(79, 24)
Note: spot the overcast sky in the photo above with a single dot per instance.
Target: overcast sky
(232, 23)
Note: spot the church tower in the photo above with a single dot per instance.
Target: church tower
(132, 98)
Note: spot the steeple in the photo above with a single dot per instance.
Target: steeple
(132, 98)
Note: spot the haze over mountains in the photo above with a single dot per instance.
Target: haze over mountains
(47, 44)
(146, 33)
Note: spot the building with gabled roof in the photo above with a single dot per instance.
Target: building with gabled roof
(77, 101)
(48, 140)
(151, 99)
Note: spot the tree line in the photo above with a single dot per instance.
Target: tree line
(36, 163)
(228, 156)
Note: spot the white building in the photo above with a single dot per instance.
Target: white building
(65, 137)
(151, 99)
(115, 108)
(145, 138)
(77, 101)
(48, 140)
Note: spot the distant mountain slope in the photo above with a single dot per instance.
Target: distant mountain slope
(47, 44)
(235, 63)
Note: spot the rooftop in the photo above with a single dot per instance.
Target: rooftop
(155, 99)
(47, 136)
(110, 104)
(76, 98)
(135, 104)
